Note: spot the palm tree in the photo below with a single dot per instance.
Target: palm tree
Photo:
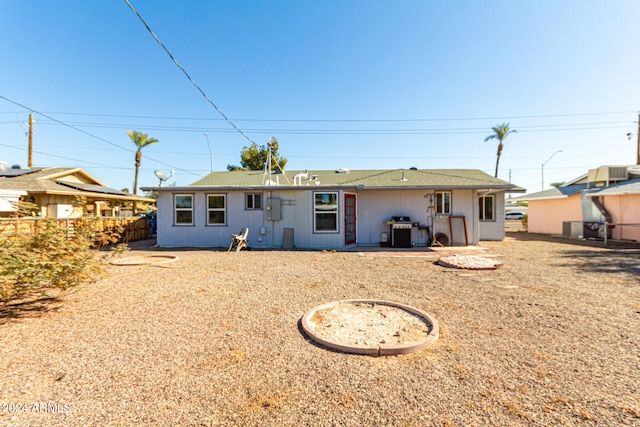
(500, 133)
(141, 140)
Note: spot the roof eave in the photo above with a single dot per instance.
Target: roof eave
(71, 171)
(191, 188)
(92, 195)
(560, 196)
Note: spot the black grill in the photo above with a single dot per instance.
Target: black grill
(400, 230)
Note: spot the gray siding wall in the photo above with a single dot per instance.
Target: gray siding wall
(373, 209)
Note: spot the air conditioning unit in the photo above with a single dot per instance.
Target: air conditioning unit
(572, 229)
(607, 174)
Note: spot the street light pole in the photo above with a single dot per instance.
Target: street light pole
(542, 167)
(210, 155)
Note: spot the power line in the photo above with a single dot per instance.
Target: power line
(65, 158)
(187, 74)
(408, 131)
(65, 124)
(427, 119)
(90, 134)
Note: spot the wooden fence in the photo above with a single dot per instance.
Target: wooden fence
(133, 228)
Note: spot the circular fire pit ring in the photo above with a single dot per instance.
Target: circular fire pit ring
(370, 327)
(469, 262)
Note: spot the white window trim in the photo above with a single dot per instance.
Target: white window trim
(481, 213)
(217, 224)
(446, 209)
(337, 213)
(177, 209)
(253, 195)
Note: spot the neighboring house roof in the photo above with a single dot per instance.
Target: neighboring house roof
(602, 174)
(593, 181)
(554, 193)
(361, 179)
(622, 188)
(93, 188)
(17, 172)
(63, 181)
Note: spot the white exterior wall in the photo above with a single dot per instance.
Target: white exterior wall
(373, 209)
(494, 230)
(9, 200)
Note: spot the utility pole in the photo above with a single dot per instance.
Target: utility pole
(30, 158)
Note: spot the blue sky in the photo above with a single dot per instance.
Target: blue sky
(355, 84)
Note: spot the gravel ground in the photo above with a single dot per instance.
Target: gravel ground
(213, 339)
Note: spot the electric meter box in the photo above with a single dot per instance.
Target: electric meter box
(274, 209)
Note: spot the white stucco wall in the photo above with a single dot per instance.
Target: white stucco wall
(494, 229)
(9, 200)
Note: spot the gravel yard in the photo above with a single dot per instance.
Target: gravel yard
(213, 339)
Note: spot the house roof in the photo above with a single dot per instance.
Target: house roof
(63, 181)
(554, 193)
(622, 188)
(600, 174)
(361, 179)
(17, 172)
(586, 182)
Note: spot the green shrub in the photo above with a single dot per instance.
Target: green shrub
(54, 256)
(525, 221)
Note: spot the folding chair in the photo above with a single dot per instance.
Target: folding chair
(239, 240)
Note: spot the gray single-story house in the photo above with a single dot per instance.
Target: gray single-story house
(334, 209)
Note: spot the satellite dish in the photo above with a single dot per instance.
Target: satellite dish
(162, 176)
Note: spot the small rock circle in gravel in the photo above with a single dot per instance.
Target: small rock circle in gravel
(469, 262)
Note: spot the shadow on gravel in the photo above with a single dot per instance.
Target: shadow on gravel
(615, 257)
(34, 307)
(593, 243)
(611, 261)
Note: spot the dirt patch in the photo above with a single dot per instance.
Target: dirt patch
(368, 324)
(215, 340)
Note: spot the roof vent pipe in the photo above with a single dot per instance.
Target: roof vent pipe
(299, 177)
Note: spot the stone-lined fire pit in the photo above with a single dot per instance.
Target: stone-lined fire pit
(371, 327)
(469, 262)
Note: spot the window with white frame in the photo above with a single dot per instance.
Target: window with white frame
(443, 202)
(253, 201)
(183, 206)
(325, 212)
(216, 209)
(487, 208)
